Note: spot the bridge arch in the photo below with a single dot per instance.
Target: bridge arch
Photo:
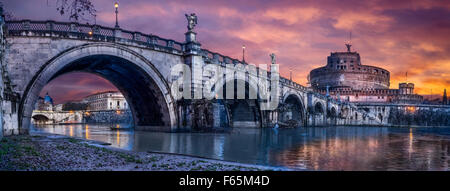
(242, 112)
(333, 112)
(319, 108)
(137, 78)
(332, 115)
(296, 108)
(40, 118)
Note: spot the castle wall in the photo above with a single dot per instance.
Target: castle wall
(356, 79)
(344, 69)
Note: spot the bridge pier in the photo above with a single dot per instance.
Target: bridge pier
(9, 100)
(9, 118)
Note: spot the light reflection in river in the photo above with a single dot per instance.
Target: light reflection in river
(87, 131)
(118, 138)
(71, 131)
(411, 138)
(332, 148)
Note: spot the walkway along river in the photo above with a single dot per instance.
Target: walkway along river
(330, 148)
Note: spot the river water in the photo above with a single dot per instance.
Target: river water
(324, 148)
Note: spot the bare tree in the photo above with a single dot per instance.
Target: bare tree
(8, 15)
(76, 9)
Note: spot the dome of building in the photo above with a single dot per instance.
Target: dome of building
(48, 99)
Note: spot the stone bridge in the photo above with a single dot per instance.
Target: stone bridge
(141, 67)
(51, 117)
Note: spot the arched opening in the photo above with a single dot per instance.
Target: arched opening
(292, 111)
(40, 119)
(318, 108)
(241, 113)
(80, 97)
(333, 113)
(140, 83)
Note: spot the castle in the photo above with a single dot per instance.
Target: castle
(345, 78)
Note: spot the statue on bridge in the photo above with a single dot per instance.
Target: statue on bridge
(192, 21)
(272, 57)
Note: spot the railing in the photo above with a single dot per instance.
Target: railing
(220, 59)
(89, 32)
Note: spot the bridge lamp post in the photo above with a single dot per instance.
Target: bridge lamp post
(290, 75)
(116, 5)
(243, 53)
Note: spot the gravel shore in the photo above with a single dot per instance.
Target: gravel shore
(61, 153)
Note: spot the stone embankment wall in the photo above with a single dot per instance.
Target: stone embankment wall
(410, 116)
(354, 116)
(109, 116)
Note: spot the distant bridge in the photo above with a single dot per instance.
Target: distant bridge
(52, 117)
(139, 65)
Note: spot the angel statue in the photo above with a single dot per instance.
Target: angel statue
(272, 56)
(192, 21)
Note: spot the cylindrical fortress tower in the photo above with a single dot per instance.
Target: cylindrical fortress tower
(344, 70)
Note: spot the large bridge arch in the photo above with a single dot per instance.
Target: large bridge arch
(137, 78)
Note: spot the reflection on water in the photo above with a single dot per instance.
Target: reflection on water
(332, 148)
(120, 139)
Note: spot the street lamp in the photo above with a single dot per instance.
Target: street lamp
(116, 5)
(290, 74)
(243, 53)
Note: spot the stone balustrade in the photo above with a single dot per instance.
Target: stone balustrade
(90, 32)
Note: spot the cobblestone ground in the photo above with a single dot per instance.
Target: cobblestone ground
(59, 153)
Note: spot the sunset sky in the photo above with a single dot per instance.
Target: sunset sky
(400, 36)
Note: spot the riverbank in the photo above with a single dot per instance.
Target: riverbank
(61, 153)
